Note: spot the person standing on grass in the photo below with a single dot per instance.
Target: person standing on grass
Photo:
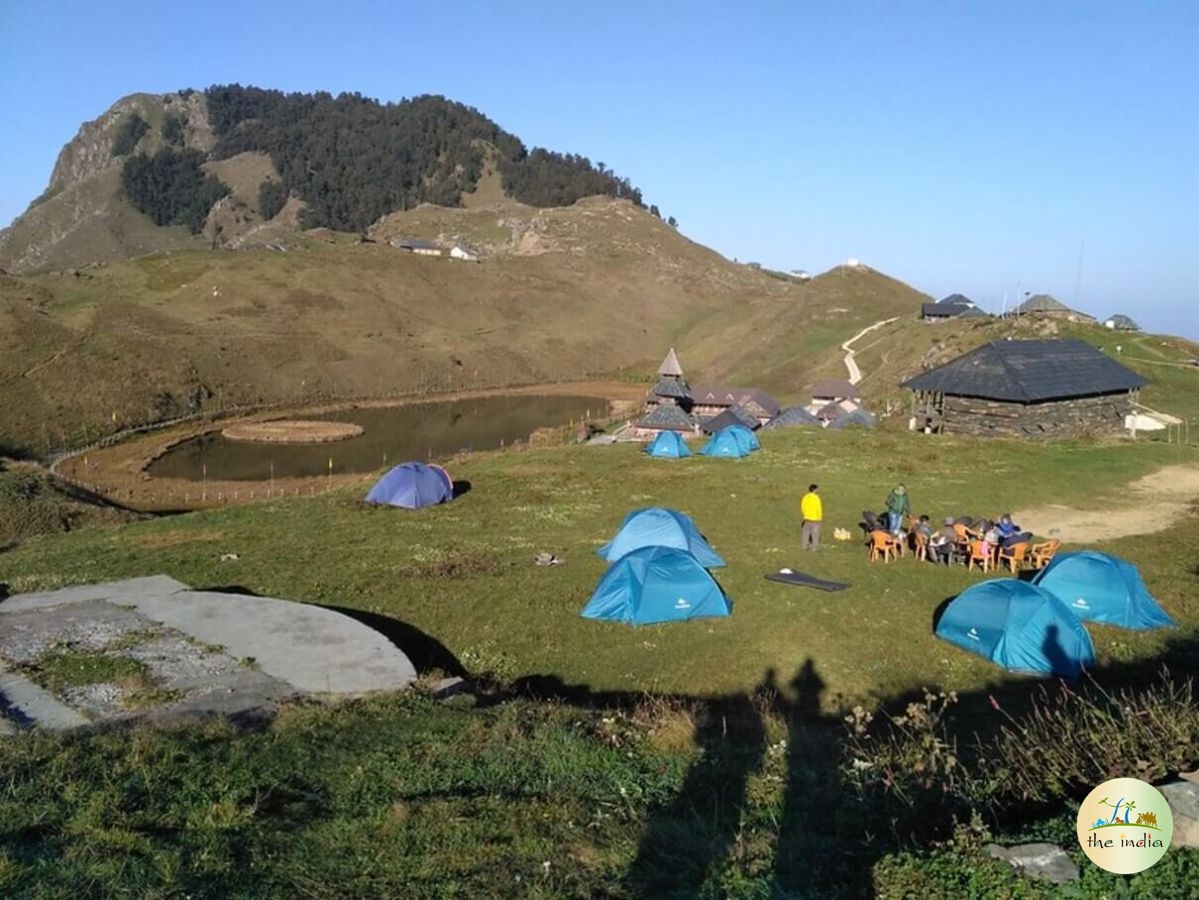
(811, 511)
(898, 507)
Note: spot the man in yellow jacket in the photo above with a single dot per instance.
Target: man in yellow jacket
(811, 511)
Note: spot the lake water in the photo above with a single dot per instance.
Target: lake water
(392, 435)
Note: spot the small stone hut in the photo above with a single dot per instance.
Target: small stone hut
(1025, 388)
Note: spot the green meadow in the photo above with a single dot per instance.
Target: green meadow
(464, 575)
(700, 759)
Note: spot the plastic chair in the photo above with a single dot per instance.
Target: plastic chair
(1043, 552)
(884, 545)
(961, 548)
(980, 552)
(920, 548)
(1014, 555)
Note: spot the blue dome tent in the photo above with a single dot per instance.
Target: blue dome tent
(659, 527)
(746, 438)
(1098, 587)
(668, 445)
(413, 485)
(725, 443)
(656, 584)
(1019, 626)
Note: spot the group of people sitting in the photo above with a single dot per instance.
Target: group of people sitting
(958, 539)
(959, 533)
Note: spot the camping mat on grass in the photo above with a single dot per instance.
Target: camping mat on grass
(803, 580)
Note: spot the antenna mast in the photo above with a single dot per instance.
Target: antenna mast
(1078, 276)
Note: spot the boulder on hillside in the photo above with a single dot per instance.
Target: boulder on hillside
(1045, 862)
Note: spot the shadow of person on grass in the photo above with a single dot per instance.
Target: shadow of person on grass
(685, 839)
(806, 862)
(1061, 664)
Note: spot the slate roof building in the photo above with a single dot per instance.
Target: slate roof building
(665, 416)
(1120, 322)
(1046, 306)
(857, 417)
(790, 417)
(744, 406)
(1025, 388)
(713, 399)
(950, 307)
(734, 415)
(420, 248)
(671, 386)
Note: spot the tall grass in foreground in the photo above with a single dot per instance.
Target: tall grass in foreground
(1067, 740)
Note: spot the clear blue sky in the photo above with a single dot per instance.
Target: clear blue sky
(959, 146)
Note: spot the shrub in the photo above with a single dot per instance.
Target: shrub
(913, 758)
(1069, 740)
(172, 130)
(131, 130)
(271, 197)
(1072, 739)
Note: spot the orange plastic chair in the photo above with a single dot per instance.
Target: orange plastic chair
(921, 545)
(884, 545)
(1014, 555)
(1043, 552)
(962, 551)
(980, 552)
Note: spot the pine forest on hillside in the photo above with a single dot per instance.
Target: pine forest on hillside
(352, 160)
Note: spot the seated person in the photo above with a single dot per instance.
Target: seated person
(869, 522)
(1006, 527)
(920, 528)
(1021, 537)
(942, 542)
(990, 533)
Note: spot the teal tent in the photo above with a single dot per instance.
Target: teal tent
(725, 443)
(656, 526)
(1019, 626)
(668, 445)
(1099, 587)
(746, 438)
(656, 584)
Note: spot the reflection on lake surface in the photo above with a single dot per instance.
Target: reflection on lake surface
(392, 435)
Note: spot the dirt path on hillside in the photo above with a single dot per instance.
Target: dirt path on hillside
(855, 374)
(1150, 504)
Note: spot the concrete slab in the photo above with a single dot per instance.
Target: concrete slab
(130, 587)
(313, 649)
(201, 652)
(29, 705)
(201, 673)
(27, 635)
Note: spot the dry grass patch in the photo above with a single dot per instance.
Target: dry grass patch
(292, 431)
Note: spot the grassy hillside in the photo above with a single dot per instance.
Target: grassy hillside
(344, 161)
(83, 217)
(599, 288)
(32, 503)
